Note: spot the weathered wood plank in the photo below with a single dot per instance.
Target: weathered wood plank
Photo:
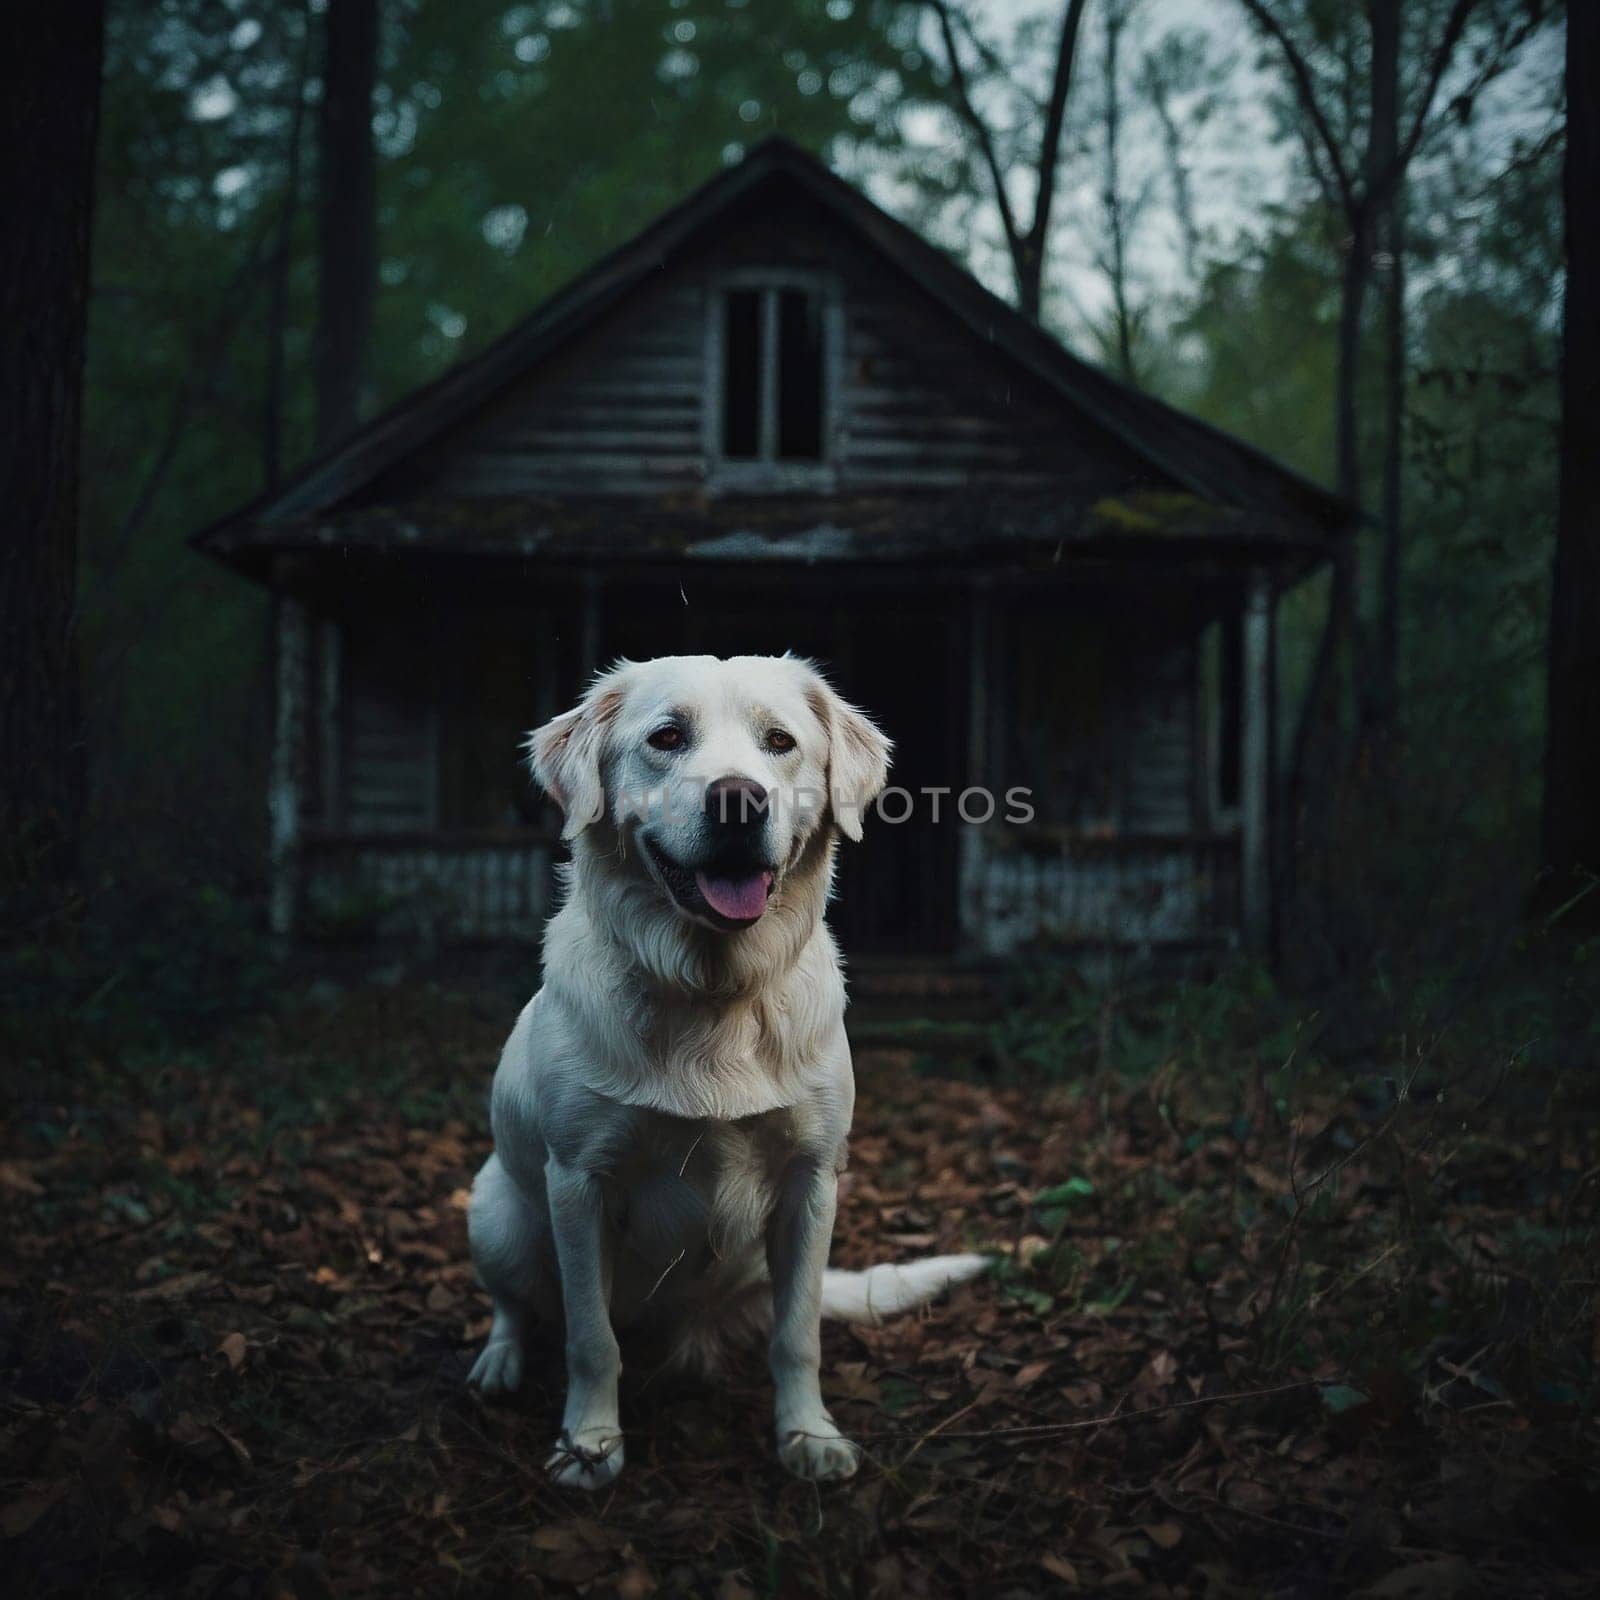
(971, 867)
(1255, 763)
(916, 401)
(621, 442)
(292, 644)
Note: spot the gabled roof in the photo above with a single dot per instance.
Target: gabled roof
(1192, 455)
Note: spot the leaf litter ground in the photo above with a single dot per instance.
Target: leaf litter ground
(238, 1312)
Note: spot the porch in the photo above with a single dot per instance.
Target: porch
(1136, 716)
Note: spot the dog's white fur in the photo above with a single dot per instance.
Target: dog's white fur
(671, 1110)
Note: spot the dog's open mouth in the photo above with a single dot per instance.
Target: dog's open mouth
(726, 897)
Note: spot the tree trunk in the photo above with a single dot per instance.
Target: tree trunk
(52, 102)
(349, 217)
(1385, 188)
(1116, 220)
(1028, 247)
(1353, 285)
(1385, 703)
(1571, 834)
(1322, 709)
(282, 264)
(1158, 93)
(1028, 265)
(1343, 598)
(1030, 278)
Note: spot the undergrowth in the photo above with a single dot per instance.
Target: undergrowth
(1268, 1314)
(1418, 1213)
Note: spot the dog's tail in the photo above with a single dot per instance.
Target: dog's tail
(885, 1291)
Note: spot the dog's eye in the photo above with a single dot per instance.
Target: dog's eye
(779, 742)
(667, 737)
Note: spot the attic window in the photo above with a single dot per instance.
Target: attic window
(772, 387)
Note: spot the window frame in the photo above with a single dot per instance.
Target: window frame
(768, 471)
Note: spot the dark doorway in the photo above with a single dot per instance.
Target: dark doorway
(897, 889)
(901, 662)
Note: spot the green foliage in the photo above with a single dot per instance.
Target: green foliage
(145, 969)
(1261, 328)
(1056, 1025)
(524, 141)
(1398, 1196)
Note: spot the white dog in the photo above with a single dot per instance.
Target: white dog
(671, 1111)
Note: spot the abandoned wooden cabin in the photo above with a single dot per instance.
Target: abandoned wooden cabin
(779, 420)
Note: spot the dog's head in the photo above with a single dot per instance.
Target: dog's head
(715, 774)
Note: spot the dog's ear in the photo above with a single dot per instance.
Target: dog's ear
(858, 755)
(565, 756)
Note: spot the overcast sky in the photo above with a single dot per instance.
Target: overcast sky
(1236, 165)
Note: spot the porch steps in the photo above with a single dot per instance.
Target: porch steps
(935, 1008)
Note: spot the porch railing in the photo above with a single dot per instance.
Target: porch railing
(434, 886)
(1124, 890)
(1039, 888)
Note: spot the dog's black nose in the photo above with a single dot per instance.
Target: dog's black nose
(736, 802)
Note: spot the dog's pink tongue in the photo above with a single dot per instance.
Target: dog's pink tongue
(737, 899)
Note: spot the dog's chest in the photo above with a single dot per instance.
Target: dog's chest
(684, 1185)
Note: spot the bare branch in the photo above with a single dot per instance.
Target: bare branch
(980, 131)
(1496, 65)
(1155, 87)
(993, 61)
(1325, 183)
(209, 353)
(1037, 1430)
(1055, 117)
(1454, 27)
(272, 421)
(1118, 216)
(1306, 93)
(1549, 143)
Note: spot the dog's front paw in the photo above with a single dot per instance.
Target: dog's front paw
(499, 1369)
(589, 1459)
(817, 1450)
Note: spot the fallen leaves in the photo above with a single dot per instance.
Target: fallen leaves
(237, 1322)
(19, 1514)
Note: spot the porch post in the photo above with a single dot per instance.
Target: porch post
(330, 640)
(973, 853)
(1277, 810)
(292, 631)
(1256, 779)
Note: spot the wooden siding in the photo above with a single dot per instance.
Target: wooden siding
(1158, 769)
(1095, 712)
(619, 412)
(922, 403)
(927, 407)
(780, 206)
